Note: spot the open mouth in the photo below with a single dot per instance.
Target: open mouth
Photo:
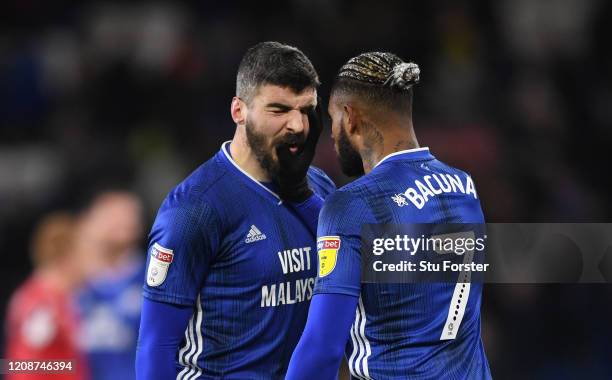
(292, 145)
(294, 148)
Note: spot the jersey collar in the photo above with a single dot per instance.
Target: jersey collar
(258, 186)
(409, 154)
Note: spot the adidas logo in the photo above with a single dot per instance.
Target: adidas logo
(254, 235)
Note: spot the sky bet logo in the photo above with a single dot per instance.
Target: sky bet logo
(328, 244)
(327, 249)
(161, 258)
(162, 254)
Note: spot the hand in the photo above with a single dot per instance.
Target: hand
(293, 167)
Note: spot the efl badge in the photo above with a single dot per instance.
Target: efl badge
(161, 258)
(327, 247)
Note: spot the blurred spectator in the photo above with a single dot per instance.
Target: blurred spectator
(110, 302)
(42, 322)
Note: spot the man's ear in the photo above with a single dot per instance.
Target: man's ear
(238, 111)
(352, 117)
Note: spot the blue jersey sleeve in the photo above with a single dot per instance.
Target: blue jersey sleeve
(319, 352)
(162, 328)
(320, 183)
(183, 241)
(339, 243)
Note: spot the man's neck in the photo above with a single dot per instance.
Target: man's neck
(243, 156)
(392, 142)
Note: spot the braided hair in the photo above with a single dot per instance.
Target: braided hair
(379, 78)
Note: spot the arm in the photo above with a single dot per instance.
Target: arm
(183, 242)
(162, 327)
(320, 350)
(337, 289)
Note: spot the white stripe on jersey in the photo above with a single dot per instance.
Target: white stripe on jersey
(359, 348)
(358, 361)
(192, 370)
(351, 361)
(368, 349)
(195, 369)
(187, 347)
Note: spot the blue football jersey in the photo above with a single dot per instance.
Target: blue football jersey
(109, 307)
(404, 331)
(225, 244)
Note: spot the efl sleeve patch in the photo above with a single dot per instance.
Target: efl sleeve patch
(161, 258)
(327, 248)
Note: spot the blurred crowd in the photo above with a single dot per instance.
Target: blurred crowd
(135, 95)
(83, 298)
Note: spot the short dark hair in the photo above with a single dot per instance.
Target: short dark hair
(379, 78)
(274, 63)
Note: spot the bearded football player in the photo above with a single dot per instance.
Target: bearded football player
(387, 330)
(232, 261)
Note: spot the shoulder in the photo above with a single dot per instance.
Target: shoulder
(323, 185)
(360, 184)
(461, 178)
(346, 206)
(205, 179)
(446, 168)
(200, 188)
(195, 200)
(361, 189)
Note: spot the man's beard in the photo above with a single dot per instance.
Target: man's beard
(350, 160)
(264, 151)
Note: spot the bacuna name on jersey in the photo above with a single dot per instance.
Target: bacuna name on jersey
(290, 292)
(431, 185)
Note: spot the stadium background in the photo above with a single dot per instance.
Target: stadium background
(517, 92)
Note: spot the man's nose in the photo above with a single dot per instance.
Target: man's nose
(298, 122)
